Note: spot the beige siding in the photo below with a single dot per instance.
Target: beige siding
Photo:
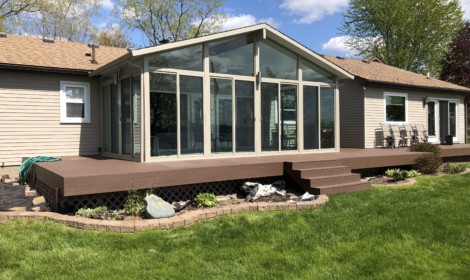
(375, 111)
(30, 118)
(351, 112)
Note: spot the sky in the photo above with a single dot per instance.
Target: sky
(313, 23)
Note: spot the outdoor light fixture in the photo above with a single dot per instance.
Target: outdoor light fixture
(425, 101)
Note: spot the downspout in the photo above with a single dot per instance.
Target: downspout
(364, 125)
(466, 118)
(142, 119)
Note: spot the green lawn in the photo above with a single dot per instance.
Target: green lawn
(414, 232)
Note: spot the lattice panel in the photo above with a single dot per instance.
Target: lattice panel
(370, 172)
(50, 194)
(116, 200)
(456, 159)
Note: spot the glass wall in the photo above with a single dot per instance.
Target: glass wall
(453, 119)
(289, 117)
(189, 58)
(126, 122)
(327, 117)
(114, 101)
(106, 120)
(277, 62)
(137, 123)
(191, 115)
(432, 118)
(221, 115)
(232, 56)
(269, 117)
(310, 106)
(244, 116)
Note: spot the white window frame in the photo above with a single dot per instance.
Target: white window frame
(63, 102)
(386, 94)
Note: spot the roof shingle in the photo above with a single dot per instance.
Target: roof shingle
(376, 72)
(32, 52)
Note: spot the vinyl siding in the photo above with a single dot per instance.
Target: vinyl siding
(351, 96)
(30, 118)
(375, 111)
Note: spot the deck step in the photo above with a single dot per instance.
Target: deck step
(332, 179)
(322, 171)
(340, 188)
(311, 164)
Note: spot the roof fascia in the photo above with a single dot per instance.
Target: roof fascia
(394, 85)
(111, 65)
(44, 69)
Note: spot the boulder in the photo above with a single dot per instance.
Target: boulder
(39, 200)
(158, 208)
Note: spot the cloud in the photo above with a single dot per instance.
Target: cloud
(338, 45)
(466, 8)
(309, 11)
(107, 4)
(233, 21)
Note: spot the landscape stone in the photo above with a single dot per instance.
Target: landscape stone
(158, 208)
(39, 200)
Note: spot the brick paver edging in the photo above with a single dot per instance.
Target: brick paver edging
(185, 219)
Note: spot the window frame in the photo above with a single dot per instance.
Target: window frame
(63, 102)
(397, 94)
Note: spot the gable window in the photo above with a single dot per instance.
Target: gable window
(74, 102)
(395, 107)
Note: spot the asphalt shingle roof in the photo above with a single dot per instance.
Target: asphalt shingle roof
(23, 51)
(376, 72)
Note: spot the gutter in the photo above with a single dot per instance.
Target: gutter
(44, 69)
(396, 85)
(117, 62)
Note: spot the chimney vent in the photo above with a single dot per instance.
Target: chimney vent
(3, 34)
(47, 40)
(93, 52)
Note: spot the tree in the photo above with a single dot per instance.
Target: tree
(409, 34)
(456, 66)
(59, 19)
(162, 20)
(113, 36)
(9, 8)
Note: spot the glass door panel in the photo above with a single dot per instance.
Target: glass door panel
(136, 111)
(245, 127)
(163, 115)
(269, 117)
(106, 120)
(452, 119)
(327, 117)
(191, 115)
(289, 117)
(114, 101)
(126, 122)
(221, 115)
(432, 118)
(310, 104)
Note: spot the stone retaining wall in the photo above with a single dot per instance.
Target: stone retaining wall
(182, 220)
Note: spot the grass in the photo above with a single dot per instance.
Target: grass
(414, 232)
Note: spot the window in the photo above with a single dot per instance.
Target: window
(189, 58)
(232, 56)
(395, 107)
(277, 62)
(313, 73)
(74, 102)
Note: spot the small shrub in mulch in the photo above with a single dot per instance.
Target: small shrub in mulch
(453, 168)
(428, 163)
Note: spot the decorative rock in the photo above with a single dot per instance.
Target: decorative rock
(4, 177)
(158, 208)
(39, 200)
(8, 181)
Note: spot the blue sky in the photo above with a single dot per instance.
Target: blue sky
(313, 23)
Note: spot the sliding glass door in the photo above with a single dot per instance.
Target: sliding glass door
(442, 120)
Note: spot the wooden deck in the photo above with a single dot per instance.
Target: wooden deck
(89, 175)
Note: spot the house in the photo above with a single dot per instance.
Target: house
(381, 93)
(250, 91)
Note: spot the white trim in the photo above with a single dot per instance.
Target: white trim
(437, 137)
(385, 95)
(63, 102)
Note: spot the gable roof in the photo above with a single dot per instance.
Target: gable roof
(379, 73)
(21, 52)
(265, 30)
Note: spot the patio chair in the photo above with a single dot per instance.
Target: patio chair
(424, 132)
(397, 135)
(406, 135)
(410, 131)
(389, 141)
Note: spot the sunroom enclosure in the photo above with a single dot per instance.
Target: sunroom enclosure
(241, 95)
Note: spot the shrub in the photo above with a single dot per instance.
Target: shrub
(428, 163)
(400, 175)
(453, 168)
(135, 203)
(426, 147)
(205, 200)
(100, 212)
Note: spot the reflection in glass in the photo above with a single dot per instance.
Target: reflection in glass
(395, 108)
(163, 119)
(277, 62)
(313, 73)
(189, 58)
(221, 115)
(137, 124)
(327, 117)
(191, 115)
(452, 119)
(126, 124)
(232, 56)
(245, 127)
(269, 117)
(310, 117)
(289, 117)
(431, 119)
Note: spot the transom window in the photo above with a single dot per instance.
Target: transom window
(395, 107)
(232, 56)
(189, 58)
(277, 62)
(74, 102)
